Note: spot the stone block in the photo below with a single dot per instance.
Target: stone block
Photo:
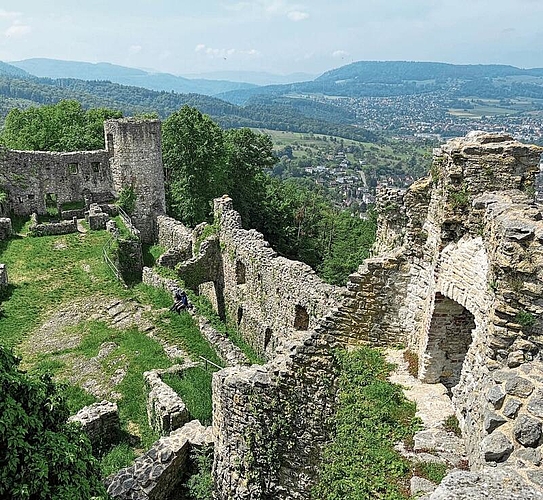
(519, 386)
(527, 430)
(511, 408)
(496, 447)
(5, 228)
(535, 405)
(100, 421)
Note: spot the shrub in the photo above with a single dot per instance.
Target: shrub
(127, 199)
(41, 456)
(451, 424)
(412, 360)
(525, 319)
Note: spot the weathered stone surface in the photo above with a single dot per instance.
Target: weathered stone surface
(496, 447)
(166, 411)
(535, 405)
(519, 386)
(4, 280)
(527, 430)
(158, 473)
(495, 396)
(511, 408)
(51, 228)
(100, 421)
(5, 228)
(528, 456)
(495, 483)
(515, 358)
(493, 421)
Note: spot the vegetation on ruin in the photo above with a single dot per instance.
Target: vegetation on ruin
(525, 319)
(41, 455)
(51, 277)
(200, 484)
(127, 199)
(373, 415)
(451, 424)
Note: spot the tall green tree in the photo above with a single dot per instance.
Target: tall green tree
(248, 155)
(64, 126)
(193, 154)
(42, 457)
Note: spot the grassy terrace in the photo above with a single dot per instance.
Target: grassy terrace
(55, 317)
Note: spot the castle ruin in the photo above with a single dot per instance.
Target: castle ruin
(456, 276)
(38, 180)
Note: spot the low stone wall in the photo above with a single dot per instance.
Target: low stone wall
(5, 228)
(166, 411)
(70, 214)
(176, 238)
(100, 421)
(52, 228)
(96, 218)
(4, 282)
(158, 473)
(230, 353)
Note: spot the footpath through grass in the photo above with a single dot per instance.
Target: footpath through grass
(373, 415)
(47, 274)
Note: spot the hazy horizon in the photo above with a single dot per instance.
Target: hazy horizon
(273, 36)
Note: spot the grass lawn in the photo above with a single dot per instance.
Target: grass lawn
(54, 281)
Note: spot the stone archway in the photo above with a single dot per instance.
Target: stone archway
(449, 338)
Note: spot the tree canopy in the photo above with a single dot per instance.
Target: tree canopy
(64, 126)
(42, 457)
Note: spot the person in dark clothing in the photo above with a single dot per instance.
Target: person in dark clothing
(181, 301)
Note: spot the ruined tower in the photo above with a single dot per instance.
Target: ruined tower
(136, 162)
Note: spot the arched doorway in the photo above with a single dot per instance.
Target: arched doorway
(449, 338)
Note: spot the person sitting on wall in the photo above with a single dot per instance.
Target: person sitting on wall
(181, 301)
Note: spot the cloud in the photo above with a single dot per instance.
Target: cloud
(339, 54)
(224, 53)
(17, 30)
(296, 15)
(135, 49)
(5, 14)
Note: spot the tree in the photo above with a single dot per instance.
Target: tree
(193, 155)
(64, 126)
(42, 456)
(248, 155)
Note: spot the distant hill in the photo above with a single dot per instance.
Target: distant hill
(255, 77)
(22, 92)
(395, 78)
(55, 68)
(10, 70)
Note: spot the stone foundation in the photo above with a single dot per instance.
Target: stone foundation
(100, 422)
(51, 228)
(158, 473)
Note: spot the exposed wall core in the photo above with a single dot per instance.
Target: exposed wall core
(449, 337)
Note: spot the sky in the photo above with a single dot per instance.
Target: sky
(275, 36)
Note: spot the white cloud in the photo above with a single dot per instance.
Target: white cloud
(17, 30)
(224, 53)
(296, 15)
(135, 49)
(5, 14)
(339, 54)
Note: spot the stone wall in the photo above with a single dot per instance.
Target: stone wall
(31, 176)
(265, 295)
(158, 473)
(51, 228)
(458, 279)
(4, 281)
(176, 238)
(5, 228)
(100, 422)
(166, 411)
(270, 422)
(136, 162)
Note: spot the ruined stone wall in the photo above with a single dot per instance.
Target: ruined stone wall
(100, 422)
(265, 295)
(270, 422)
(136, 162)
(462, 288)
(29, 176)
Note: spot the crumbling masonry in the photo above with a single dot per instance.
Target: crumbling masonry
(37, 180)
(457, 277)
